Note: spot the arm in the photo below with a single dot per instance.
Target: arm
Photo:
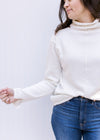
(48, 84)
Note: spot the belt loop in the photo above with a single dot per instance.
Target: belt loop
(93, 101)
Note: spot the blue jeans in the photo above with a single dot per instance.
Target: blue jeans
(76, 118)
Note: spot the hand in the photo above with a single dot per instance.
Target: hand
(7, 95)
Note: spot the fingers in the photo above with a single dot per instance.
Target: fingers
(6, 95)
(6, 100)
(3, 91)
(3, 95)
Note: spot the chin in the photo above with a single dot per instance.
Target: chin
(70, 17)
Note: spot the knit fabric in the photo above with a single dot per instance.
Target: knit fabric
(72, 68)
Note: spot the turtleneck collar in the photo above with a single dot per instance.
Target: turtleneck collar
(85, 26)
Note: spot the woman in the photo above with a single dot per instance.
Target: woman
(72, 74)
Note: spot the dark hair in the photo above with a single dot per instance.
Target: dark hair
(92, 5)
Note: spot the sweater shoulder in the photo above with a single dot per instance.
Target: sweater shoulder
(63, 31)
(60, 34)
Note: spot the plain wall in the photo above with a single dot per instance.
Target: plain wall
(26, 27)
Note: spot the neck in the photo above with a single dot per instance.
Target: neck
(86, 20)
(86, 17)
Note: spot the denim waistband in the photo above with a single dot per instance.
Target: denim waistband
(84, 99)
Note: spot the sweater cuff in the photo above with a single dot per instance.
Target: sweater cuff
(17, 95)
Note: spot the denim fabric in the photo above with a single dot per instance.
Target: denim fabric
(76, 118)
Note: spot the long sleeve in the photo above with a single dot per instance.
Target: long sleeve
(51, 78)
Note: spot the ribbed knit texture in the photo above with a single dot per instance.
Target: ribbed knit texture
(72, 68)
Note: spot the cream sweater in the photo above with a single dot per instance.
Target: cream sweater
(73, 66)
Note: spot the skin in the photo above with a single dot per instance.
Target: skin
(78, 12)
(7, 95)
